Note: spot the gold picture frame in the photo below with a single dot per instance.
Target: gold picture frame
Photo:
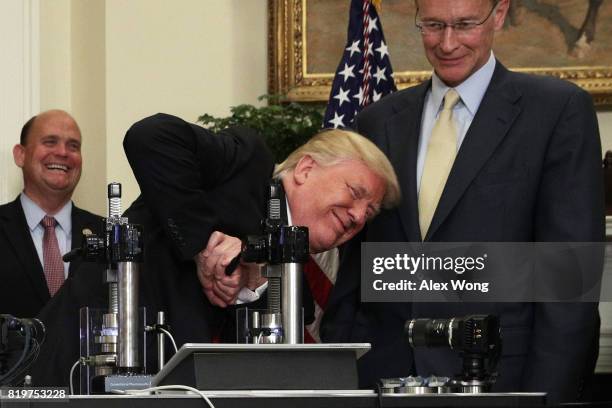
(289, 48)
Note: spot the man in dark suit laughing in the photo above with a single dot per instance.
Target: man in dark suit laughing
(49, 154)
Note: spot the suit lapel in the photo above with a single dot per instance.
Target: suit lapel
(494, 118)
(14, 225)
(402, 132)
(77, 237)
(402, 138)
(81, 222)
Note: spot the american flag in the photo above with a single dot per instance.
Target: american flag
(320, 272)
(364, 74)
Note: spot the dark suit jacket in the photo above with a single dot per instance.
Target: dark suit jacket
(528, 170)
(61, 317)
(192, 183)
(24, 290)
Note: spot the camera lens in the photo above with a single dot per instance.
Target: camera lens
(429, 332)
(474, 333)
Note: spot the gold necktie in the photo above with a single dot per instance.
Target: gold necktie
(439, 159)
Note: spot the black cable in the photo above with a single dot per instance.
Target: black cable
(379, 395)
(26, 364)
(34, 337)
(26, 346)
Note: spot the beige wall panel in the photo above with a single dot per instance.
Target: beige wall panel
(88, 99)
(182, 57)
(55, 55)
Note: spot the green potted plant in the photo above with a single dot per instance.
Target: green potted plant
(284, 126)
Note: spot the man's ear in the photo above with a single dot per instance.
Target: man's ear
(500, 14)
(302, 169)
(19, 154)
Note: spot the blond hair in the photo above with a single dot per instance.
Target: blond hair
(332, 146)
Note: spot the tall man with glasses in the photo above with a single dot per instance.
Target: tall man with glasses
(482, 155)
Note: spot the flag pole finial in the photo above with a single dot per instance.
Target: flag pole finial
(378, 5)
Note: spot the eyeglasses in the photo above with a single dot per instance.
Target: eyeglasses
(460, 27)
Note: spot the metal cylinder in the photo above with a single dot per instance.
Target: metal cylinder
(113, 298)
(471, 386)
(127, 356)
(102, 360)
(416, 390)
(272, 322)
(255, 320)
(103, 370)
(388, 385)
(474, 389)
(291, 297)
(108, 348)
(273, 272)
(161, 342)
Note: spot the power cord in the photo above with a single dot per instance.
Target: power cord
(166, 387)
(162, 328)
(167, 333)
(76, 363)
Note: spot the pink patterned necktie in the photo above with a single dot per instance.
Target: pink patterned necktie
(54, 266)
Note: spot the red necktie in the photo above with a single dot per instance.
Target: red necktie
(320, 286)
(52, 259)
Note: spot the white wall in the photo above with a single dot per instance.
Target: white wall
(181, 57)
(55, 55)
(88, 97)
(19, 80)
(114, 62)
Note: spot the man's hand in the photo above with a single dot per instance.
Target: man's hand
(220, 289)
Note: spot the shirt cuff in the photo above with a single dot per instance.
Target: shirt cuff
(247, 295)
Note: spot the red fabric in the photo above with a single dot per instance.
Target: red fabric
(319, 283)
(308, 339)
(320, 287)
(52, 259)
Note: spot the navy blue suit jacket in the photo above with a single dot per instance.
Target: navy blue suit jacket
(528, 170)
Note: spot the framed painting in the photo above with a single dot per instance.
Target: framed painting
(307, 39)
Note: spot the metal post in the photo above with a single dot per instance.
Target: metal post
(127, 356)
(293, 327)
(161, 342)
